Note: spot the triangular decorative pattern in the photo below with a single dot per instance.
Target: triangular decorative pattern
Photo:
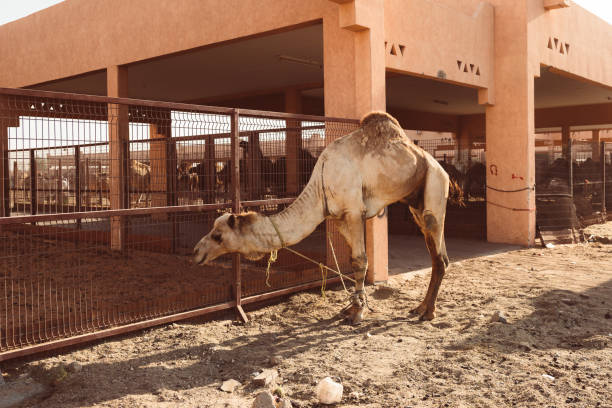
(557, 45)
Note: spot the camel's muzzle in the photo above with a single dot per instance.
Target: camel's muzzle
(199, 258)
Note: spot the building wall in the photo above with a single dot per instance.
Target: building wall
(432, 39)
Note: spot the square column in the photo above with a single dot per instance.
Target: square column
(595, 146)
(464, 145)
(5, 208)
(565, 145)
(7, 119)
(510, 132)
(162, 157)
(354, 72)
(293, 142)
(118, 137)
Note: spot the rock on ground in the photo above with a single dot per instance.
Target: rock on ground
(15, 392)
(267, 377)
(264, 400)
(285, 403)
(499, 317)
(230, 385)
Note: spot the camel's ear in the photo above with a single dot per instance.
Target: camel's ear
(231, 221)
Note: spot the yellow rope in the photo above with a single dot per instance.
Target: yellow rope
(324, 268)
(331, 245)
(271, 260)
(323, 278)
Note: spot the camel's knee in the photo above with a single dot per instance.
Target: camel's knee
(430, 222)
(359, 266)
(359, 262)
(445, 260)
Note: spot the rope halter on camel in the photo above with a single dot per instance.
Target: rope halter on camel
(324, 268)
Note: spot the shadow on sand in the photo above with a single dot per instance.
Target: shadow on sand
(561, 319)
(208, 363)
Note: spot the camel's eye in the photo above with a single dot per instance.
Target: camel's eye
(217, 238)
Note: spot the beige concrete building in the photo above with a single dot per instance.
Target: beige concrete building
(496, 71)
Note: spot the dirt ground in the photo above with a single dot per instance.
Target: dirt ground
(554, 351)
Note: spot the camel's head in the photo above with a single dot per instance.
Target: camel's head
(230, 233)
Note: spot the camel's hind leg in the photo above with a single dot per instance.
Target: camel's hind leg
(430, 219)
(352, 228)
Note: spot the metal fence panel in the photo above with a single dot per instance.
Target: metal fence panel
(105, 198)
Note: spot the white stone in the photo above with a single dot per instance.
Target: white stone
(328, 391)
(230, 385)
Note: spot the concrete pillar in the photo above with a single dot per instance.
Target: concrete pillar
(565, 137)
(293, 104)
(5, 208)
(510, 131)
(354, 72)
(7, 119)
(464, 144)
(163, 169)
(118, 136)
(595, 146)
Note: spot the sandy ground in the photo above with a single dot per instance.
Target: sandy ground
(554, 351)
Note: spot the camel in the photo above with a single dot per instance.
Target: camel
(188, 181)
(140, 180)
(355, 178)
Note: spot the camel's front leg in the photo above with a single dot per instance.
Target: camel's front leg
(353, 231)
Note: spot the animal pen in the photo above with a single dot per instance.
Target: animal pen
(465, 166)
(104, 198)
(573, 187)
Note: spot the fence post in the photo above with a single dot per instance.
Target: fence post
(59, 199)
(15, 178)
(569, 154)
(171, 187)
(77, 182)
(33, 182)
(210, 182)
(602, 163)
(99, 184)
(235, 146)
(254, 174)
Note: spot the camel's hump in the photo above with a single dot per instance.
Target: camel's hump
(378, 116)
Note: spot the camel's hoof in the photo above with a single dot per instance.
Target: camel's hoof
(419, 310)
(427, 316)
(423, 312)
(356, 315)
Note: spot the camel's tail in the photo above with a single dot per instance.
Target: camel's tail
(455, 193)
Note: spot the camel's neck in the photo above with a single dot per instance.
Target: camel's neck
(296, 222)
